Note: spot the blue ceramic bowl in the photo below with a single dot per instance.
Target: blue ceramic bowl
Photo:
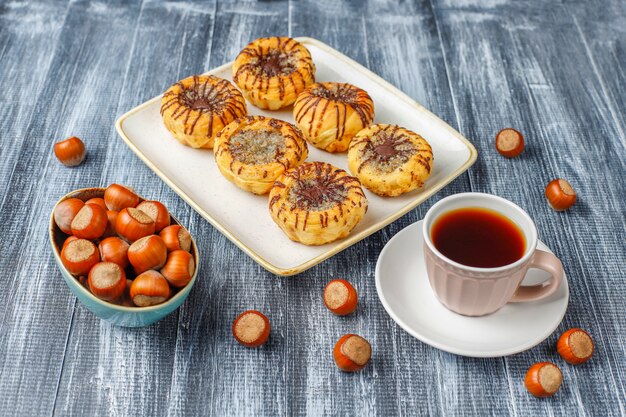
(113, 313)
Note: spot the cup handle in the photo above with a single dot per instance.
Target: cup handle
(549, 263)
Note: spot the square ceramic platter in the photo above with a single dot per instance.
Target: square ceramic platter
(243, 217)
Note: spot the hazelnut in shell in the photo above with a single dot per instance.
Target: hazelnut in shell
(79, 256)
(97, 201)
(64, 213)
(176, 237)
(179, 268)
(118, 197)
(70, 152)
(149, 288)
(509, 142)
(133, 224)
(352, 352)
(543, 379)
(251, 328)
(575, 346)
(113, 249)
(107, 281)
(147, 253)
(90, 222)
(340, 297)
(157, 212)
(560, 194)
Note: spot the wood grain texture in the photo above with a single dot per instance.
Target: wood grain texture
(538, 78)
(133, 374)
(399, 43)
(213, 375)
(553, 70)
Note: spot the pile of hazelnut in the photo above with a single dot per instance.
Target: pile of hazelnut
(123, 249)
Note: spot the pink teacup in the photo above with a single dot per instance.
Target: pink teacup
(473, 291)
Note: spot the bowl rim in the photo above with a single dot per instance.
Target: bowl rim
(179, 296)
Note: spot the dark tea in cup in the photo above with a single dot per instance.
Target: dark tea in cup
(478, 237)
(478, 248)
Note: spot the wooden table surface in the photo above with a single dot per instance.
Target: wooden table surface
(555, 70)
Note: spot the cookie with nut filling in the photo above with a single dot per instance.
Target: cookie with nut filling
(390, 160)
(254, 151)
(271, 72)
(195, 109)
(317, 203)
(330, 114)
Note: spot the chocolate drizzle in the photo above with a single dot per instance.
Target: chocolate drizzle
(317, 187)
(203, 95)
(344, 93)
(317, 194)
(315, 102)
(274, 63)
(388, 148)
(320, 191)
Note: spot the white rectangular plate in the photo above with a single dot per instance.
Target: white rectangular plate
(243, 217)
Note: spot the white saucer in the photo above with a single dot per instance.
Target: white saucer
(405, 292)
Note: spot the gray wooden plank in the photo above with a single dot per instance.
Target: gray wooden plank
(603, 33)
(130, 371)
(400, 43)
(553, 70)
(316, 386)
(38, 316)
(213, 375)
(30, 31)
(529, 67)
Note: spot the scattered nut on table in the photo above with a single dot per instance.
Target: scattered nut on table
(251, 328)
(340, 297)
(352, 352)
(575, 346)
(509, 142)
(543, 379)
(70, 152)
(560, 194)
